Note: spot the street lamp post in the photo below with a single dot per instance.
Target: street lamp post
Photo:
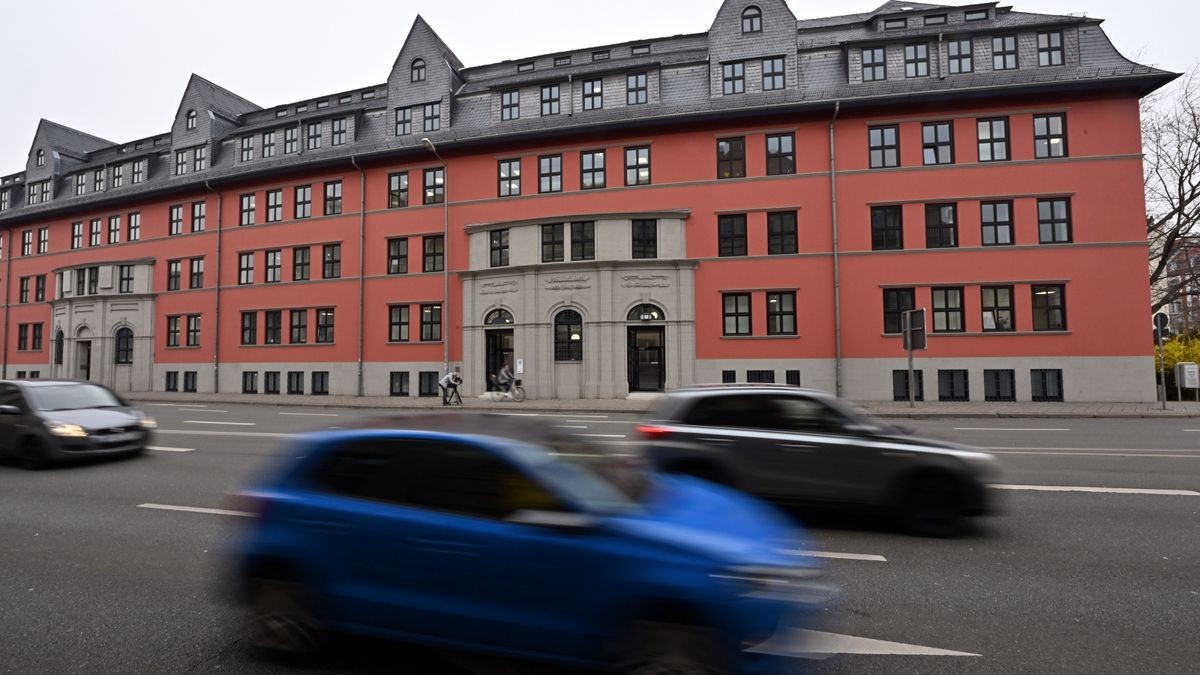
(445, 259)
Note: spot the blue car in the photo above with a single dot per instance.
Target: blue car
(494, 534)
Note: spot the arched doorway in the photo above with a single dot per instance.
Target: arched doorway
(83, 354)
(647, 348)
(498, 350)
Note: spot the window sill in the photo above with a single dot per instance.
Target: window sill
(189, 348)
(992, 333)
(760, 337)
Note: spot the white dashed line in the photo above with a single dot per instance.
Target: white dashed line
(178, 405)
(307, 414)
(202, 410)
(1119, 491)
(1090, 454)
(865, 557)
(242, 434)
(159, 448)
(601, 435)
(197, 509)
(569, 426)
(1002, 429)
(228, 424)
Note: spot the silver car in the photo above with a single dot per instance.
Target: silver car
(803, 446)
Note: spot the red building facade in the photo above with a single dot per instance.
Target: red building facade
(754, 203)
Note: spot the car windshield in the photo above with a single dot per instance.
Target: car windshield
(597, 481)
(72, 397)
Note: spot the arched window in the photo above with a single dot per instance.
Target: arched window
(418, 70)
(59, 339)
(123, 354)
(499, 317)
(752, 20)
(645, 313)
(568, 336)
(41, 158)
(191, 120)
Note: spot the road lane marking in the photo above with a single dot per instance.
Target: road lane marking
(160, 448)
(1061, 449)
(602, 435)
(228, 424)
(308, 414)
(245, 434)
(994, 451)
(197, 509)
(178, 405)
(202, 410)
(1002, 429)
(629, 422)
(1121, 491)
(865, 557)
(814, 642)
(569, 426)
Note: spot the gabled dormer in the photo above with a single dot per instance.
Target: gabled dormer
(206, 113)
(57, 150)
(752, 48)
(426, 72)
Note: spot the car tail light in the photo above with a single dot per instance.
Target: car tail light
(652, 431)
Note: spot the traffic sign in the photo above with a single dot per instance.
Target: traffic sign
(913, 329)
(1161, 320)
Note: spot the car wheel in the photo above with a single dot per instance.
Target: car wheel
(933, 506)
(34, 454)
(656, 648)
(281, 621)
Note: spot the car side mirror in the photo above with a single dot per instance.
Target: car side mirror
(555, 520)
(9, 410)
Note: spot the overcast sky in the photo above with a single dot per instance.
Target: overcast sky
(117, 68)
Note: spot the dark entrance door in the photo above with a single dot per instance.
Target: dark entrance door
(647, 365)
(84, 354)
(499, 352)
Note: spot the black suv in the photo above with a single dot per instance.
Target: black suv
(49, 421)
(798, 445)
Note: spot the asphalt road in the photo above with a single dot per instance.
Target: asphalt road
(1063, 581)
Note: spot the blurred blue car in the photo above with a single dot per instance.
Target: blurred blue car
(493, 534)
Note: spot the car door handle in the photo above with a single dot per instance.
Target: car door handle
(799, 447)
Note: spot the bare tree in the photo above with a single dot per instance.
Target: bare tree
(1171, 142)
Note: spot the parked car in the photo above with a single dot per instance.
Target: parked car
(45, 422)
(804, 446)
(494, 534)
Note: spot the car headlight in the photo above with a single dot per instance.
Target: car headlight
(66, 429)
(148, 423)
(798, 584)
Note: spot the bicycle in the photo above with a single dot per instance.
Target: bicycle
(515, 393)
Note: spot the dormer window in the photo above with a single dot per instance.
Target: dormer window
(935, 20)
(752, 20)
(976, 15)
(41, 158)
(640, 50)
(895, 24)
(191, 120)
(525, 67)
(418, 70)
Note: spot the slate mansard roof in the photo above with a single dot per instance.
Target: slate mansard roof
(822, 63)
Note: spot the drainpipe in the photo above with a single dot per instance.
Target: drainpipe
(7, 288)
(217, 317)
(837, 273)
(941, 73)
(362, 262)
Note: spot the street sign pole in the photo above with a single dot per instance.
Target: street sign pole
(912, 328)
(1161, 321)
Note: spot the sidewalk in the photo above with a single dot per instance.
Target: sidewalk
(899, 409)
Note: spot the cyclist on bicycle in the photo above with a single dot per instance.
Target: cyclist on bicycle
(505, 379)
(449, 384)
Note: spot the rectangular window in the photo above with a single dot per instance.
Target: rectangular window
(118, 176)
(874, 64)
(550, 173)
(937, 142)
(133, 227)
(94, 233)
(733, 78)
(736, 312)
(290, 136)
(301, 260)
(398, 383)
(81, 281)
(993, 139)
(295, 382)
(948, 310)
(960, 56)
(895, 24)
(189, 381)
(781, 154)
(645, 239)
(193, 330)
(173, 331)
(728, 376)
(325, 325)
(172, 381)
(27, 242)
(320, 383)
(887, 228)
(552, 243)
(199, 210)
(583, 240)
(433, 116)
(299, 327)
(175, 220)
(731, 157)
(953, 385)
(781, 313)
(249, 328)
(333, 198)
(941, 226)
(593, 94)
(1047, 385)
(80, 183)
(247, 210)
(896, 301)
(1049, 136)
(431, 323)
(274, 206)
(196, 278)
(435, 186)
(397, 255)
(76, 235)
(434, 248)
(139, 171)
(23, 296)
(509, 177)
(591, 167)
(247, 149)
(245, 269)
(601, 55)
(510, 105)
(916, 60)
(272, 327)
(403, 121)
(271, 382)
(199, 158)
(1050, 48)
(637, 165)
(792, 378)
(996, 220)
(884, 144)
(760, 377)
(312, 137)
(303, 207)
(93, 280)
(498, 248)
(976, 15)
(398, 190)
(999, 385)
(1004, 53)
(6, 200)
(398, 323)
(997, 305)
(114, 230)
(39, 286)
(635, 89)
(1054, 221)
(174, 274)
(339, 131)
(550, 99)
(1049, 307)
(180, 162)
(427, 383)
(773, 74)
(268, 144)
(331, 259)
(781, 233)
(731, 235)
(273, 264)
